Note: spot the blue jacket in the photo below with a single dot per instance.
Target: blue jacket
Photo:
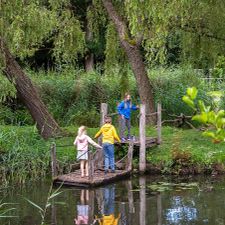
(124, 108)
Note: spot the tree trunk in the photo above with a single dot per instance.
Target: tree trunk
(134, 57)
(89, 57)
(27, 92)
(89, 62)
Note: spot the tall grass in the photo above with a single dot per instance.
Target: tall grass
(24, 155)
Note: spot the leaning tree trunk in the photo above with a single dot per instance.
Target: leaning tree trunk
(134, 57)
(27, 92)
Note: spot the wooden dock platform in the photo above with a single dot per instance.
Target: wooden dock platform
(98, 178)
(96, 159)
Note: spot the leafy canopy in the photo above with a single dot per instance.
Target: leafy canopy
(26, 25)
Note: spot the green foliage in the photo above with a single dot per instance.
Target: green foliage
(219, 69)
(211, 115)
(113, 51)
(70, 39)
(23, 154)
(26, 25)
(78, 101)
(74, 97)
(169, 85)
(7, 89)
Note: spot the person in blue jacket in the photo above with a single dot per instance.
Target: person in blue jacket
(124, 109)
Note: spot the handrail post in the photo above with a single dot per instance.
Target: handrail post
(90, 166)
(142, 122)
(159, 123)
(53, 160)
(104, 112)
(99, 155)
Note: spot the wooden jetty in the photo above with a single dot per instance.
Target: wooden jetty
(97, 176)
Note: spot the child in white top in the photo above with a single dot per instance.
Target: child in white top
(81, 141)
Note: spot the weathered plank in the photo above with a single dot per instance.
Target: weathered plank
(99, 178)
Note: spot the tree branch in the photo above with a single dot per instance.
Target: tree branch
(201, 33)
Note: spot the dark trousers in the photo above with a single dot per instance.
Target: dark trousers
(124, 123)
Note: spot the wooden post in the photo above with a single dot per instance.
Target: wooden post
(130, 156)
(91, 205)
(130, 196)
(104, 112)
(159, 209)
(142, 213)
(142, 159)
(100, 200)
(90, 166)
(53, 160)
(159, 123)
(99, 154)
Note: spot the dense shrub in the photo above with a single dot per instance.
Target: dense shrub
(74, 97)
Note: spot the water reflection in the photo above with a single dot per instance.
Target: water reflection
(123, 203)
(108, 215)
(83, 208)
(131, 203)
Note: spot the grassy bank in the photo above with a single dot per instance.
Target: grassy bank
(24, 155)
(187, 151)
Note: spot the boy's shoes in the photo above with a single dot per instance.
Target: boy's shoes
(106, 171)
(113, 171)
(129, 138)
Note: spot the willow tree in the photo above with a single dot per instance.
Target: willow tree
(201, 28)
(140, 28)
(144, 27)
(24, 26)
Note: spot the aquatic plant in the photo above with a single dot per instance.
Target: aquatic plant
(4, 211)
(51, 195)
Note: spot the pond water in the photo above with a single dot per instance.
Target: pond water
(141, 200)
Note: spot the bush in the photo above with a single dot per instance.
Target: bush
(74, 97)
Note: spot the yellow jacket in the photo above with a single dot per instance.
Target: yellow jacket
(109, 220)
(109, 134)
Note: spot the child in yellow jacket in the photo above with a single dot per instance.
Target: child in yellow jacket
(109, 134)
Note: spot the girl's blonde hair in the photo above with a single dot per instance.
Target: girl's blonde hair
(81, 130)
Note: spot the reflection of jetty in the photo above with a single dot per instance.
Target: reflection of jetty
(96, 173)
